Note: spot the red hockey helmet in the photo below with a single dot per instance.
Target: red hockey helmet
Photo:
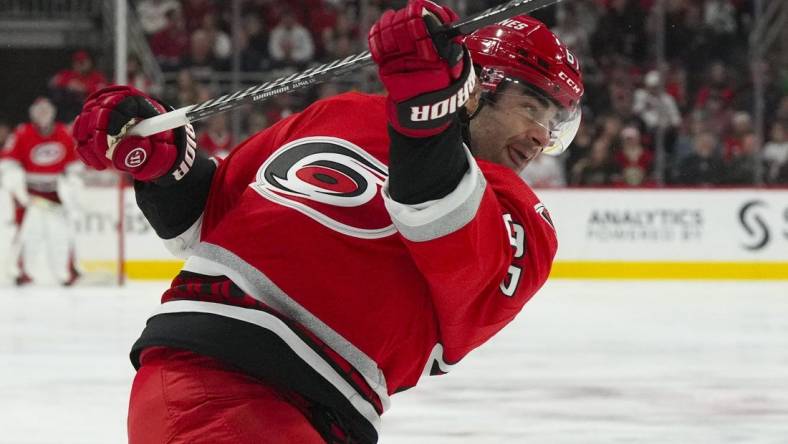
(523, 50)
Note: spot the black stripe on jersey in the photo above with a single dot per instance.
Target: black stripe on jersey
(255, 351)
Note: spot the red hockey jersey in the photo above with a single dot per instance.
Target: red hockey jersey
(44, 157)
(299, 219)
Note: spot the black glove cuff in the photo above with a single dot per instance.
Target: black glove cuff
(435, 109)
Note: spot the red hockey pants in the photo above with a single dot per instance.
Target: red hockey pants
(181, 397)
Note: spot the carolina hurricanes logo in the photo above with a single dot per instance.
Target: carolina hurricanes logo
(48, 153)
(135, 157)
(330, 180)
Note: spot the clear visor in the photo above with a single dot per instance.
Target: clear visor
(560, 123)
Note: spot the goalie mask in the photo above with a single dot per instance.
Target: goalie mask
(522, 51)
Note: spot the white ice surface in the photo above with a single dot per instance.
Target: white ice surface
(586, 362)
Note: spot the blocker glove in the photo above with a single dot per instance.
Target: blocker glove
(100, 129)
(428, 76)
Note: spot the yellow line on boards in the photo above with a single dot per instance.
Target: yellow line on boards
(135, 269)
(168, 269)
(153, 270)
(669, 270)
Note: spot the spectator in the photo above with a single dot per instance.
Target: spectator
(185, 90)
(136, 77)
(200, 60)
(580, 148)
(619, 86)
(343, 46)
(216, 139)
(322, 22)
(338, 39)
(743, 165)
(221, 44)
(70, 87)
(718, 117)
(703, 167)
(544, 172)
(692, 125)
(153, 14)
(597, 169)
(195, 11)
(676, 85)
(775, 152)
(634, 161)
(656, 108)
(611, 127)
(741, 126)
(254, 44)
(290, 44)
(719, 86)
(270, 11)
(170, 45)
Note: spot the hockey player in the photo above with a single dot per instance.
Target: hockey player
(339, 255)
(36, 160)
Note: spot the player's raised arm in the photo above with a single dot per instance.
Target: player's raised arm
(475, 230)
(171, 177)
(428, 78)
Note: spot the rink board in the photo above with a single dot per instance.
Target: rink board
(609, 234)
(677, 234)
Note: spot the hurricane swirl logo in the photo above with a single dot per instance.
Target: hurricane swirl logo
(330, 180)
(48, 153)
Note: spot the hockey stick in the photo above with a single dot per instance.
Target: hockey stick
(318, 74)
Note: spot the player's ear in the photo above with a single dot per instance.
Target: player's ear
(473, 101)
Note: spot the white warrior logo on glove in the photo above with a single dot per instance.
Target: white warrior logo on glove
(332, 181)
(135, 158)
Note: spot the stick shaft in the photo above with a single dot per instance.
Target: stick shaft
(317, 74)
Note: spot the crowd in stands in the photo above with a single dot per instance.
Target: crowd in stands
(697, 106)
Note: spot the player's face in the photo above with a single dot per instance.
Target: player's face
(513, 130)
(42, 114)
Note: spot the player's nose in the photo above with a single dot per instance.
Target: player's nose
(537, 134)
